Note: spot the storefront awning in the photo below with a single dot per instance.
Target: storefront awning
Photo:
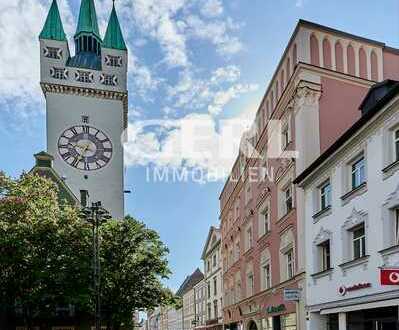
(351, 308)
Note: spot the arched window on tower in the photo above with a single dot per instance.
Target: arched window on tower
(327, 54)
(374, 66)
(350, 53)
(362, 63)
(339, 57)
(314, 50)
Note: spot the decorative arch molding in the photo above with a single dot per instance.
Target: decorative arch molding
(362, 63)
(314, 50)
(322, 236)
(339, 56)
(374, 65)
(355, 218)
(392, 200)
(327, 58)
(351, 60)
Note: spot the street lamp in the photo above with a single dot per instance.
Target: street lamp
(96, 215)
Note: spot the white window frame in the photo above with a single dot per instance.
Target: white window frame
(290, 263)
(395, 137)
(325, 256)
(288, 197)
(267, 276)
(325, 197)
(249, 237)
(361, 239)
(250, 284)
(358, 172)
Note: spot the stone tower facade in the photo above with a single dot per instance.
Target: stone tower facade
(86, 105)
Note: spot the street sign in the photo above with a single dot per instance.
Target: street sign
(292, 294)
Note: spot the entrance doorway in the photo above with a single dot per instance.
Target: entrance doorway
(252, 326)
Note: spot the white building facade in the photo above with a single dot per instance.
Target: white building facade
(213, 278)
(351, 195)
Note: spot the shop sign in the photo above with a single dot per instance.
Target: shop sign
(389, 276)
(275, 309)
(292, 294)
(343, 290)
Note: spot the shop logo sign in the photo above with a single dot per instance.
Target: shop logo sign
(275, 309)
(343, 290)
(389, 276)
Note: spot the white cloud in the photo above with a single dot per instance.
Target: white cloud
(195, 141)
(212, 8)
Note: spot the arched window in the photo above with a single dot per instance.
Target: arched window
(350, 53)
(362, 63)
(288, 69)
(314, 50)
(327, 54)
(339, 57)
(374, 66)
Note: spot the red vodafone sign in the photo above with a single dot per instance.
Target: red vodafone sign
(389, 276)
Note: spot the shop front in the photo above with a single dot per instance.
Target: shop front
(280, 317)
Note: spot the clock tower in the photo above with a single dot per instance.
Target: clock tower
(86, 105)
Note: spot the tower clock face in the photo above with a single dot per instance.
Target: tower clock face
(85, 147)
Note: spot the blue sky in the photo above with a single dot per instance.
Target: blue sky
(203, 59)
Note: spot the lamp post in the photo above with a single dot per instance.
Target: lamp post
(96, 215)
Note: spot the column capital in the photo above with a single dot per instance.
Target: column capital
(306, 96)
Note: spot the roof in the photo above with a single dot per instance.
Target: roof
(378, 96)
(113, 36)
(87, 22)
(85, 60)
(190, 282)
(208, 240)
(53, 28)
(43, 168)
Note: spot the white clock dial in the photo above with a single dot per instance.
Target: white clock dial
(85, 147)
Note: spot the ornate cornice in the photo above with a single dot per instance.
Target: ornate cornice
(89, 92)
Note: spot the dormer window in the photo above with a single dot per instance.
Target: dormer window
(115, 61)
(52, 52)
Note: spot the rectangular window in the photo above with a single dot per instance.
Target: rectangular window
(288, 199)
(108, 80)
(237, 254)
(209, 290)
(265, 220)
(215, 308)
(249, 238)
(84, 76)
(396, 226)
(325, 257)
(215, 290)
(248, 195)
(59, 73)
(250, 284)
(285, 136)
(290, 264)
(52, 52)
(358, 173)
(325, 195)
(267, 276)
(115, 61)
(359, 242)
(396, 144)
(214, 260)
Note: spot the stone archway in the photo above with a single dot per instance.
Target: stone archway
(252, 325)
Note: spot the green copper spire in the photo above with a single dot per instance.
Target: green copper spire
(53, 28)
(87, 22)
(113, 36)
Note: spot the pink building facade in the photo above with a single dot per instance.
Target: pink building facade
(312, 99)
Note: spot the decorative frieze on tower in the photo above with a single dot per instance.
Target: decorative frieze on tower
(86, 104)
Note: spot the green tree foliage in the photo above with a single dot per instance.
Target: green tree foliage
(133, 260)
(46, 257)
(44, 249)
